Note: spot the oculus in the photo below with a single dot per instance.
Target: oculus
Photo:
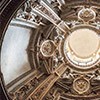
(82, 47)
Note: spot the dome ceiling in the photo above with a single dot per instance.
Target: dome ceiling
(63, 50)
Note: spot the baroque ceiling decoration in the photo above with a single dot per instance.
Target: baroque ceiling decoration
(66, 48)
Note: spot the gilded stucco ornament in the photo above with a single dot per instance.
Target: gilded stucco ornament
(81, 85)
(47, 48)
(64, 50)
(86, 14)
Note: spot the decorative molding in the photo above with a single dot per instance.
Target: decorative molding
(57, 79)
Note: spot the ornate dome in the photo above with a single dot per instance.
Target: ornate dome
(50, 49)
